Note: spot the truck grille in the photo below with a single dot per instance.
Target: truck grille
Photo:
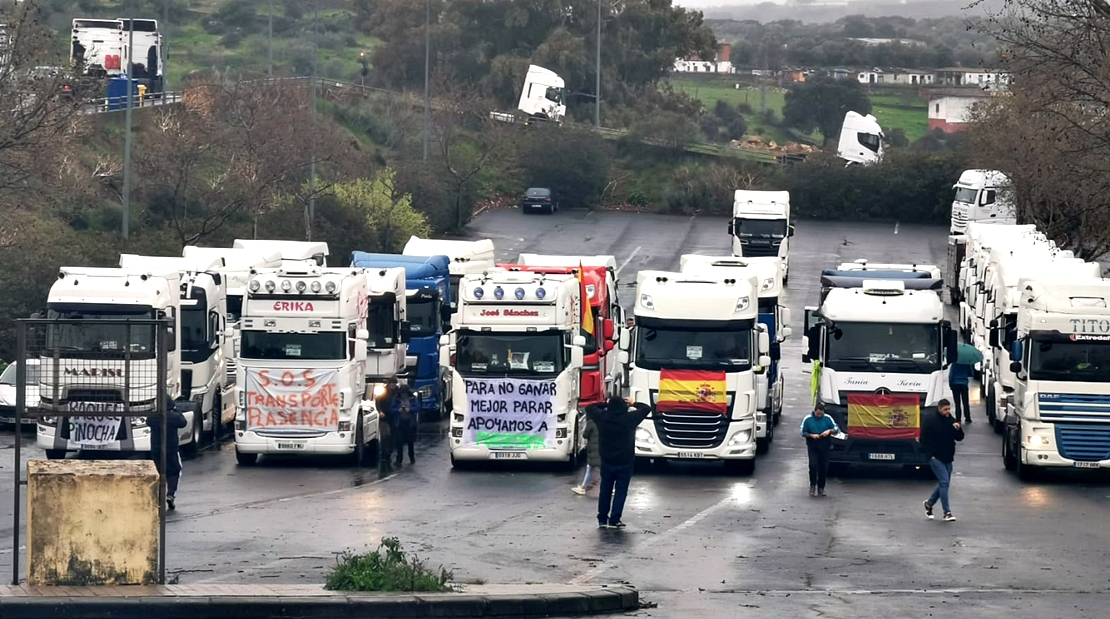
(1083, 442)
(690, 429)
(1073, 407)
(95, 395)
(755, 249)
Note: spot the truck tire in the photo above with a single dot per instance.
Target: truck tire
(572, 460)
(1024, 471)
(217, 417)
(763, 445)
(55, 454)
(198, 435)
(243, 459)
(358, 456)
(1008, 459)
(992, 409)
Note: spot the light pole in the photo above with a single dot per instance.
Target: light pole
(427, 63)
(597, 72)
(315, 78)
(270, 44)
(165, 45)
(127, 131)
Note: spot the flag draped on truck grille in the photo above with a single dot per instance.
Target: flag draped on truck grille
(691, 390)
(884, 416)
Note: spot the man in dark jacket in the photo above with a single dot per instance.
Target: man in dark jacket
(175, 420)
(616, 424)
(938, 439)
(405, 422)
(959, 375)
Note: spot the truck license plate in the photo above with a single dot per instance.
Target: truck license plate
(881, 456)
(291, 445)
(691, 454)
(1086, 465)
(509, 455)
(94, 447)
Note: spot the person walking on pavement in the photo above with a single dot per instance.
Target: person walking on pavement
(405, 422)
(959, 375)
(175, 420)
(817, 429)
(938, 439)
(593, 458)
(616, 421)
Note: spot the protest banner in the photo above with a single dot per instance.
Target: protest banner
(294, 399)
(510, 413)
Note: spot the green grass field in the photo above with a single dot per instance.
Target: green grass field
(893, 110)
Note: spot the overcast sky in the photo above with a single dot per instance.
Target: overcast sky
(703, 4)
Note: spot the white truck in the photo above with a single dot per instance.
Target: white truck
(388, 326)
(293, 253)
(982, 197)
(1000, 317)
(236, 270)
(100, 48)
(101, 367)
(609, 263)
(879, 347)
(861, 140)
(968, 253)
(302, 366)
(467, 258)
(1060, 413)
(204, 339)
(514, 358)
(772, 314)
(761, 226)
(694, 363)
(542, 98)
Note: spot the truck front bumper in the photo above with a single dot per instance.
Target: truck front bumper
(331, 444)
(738, 444)
(559, 453)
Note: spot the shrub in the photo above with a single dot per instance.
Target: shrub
(386, 569)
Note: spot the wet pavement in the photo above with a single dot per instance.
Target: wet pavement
(700, 543)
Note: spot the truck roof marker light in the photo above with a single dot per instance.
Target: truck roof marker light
(269, 323)
(647, 301)
(270, 286)
(768, 284)
(742, 304)
(540, 293)
(301, 286)
(314, 324)
(330, 287)
(286, 285)
(254, 285)
(499, 293)
(519, 293)
(479, 293)
(315, 287)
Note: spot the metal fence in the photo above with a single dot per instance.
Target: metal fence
(92, 384)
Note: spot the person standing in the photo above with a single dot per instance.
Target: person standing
(175, 420)
(817, 429)
(938, 439)
(384, 404)
(616, 421)
(593, 457)
(405, 423)
(959, 375)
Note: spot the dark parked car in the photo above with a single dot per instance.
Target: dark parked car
(539, 199)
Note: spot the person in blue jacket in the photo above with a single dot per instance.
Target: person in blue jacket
(817, 430)
(959, 375)
(175, 420)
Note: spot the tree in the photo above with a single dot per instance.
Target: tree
(820, 103)
(389, 213)
(574, 164)
(1049, 134)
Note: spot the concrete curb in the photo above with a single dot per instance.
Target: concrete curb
(580, 601)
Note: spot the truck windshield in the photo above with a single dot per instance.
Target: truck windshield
(965, 195)
(194, 335)
(1087, 362)
(234, 307)
(905, 348)
(678, 348)
(8, 377)
(322, 346)
(511, 354)
(423, 316)
(381, 324)
(761, 227)
(103, 340)
(767, 305)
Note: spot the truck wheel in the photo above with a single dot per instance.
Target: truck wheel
(217, 417)
(358, 456)
(460, 465)
(740, 467)
(198, 434)
(572, 460)
(245, 459)
(1024, 471)
(992, 412)
(1008, 459)
(55, 454)
(778, 413)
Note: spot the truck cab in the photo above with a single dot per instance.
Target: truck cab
(981, 196)
(962, 249)
(694, 364)
(427, 294)
(772, 314)
(293, 253)
(1059, 416)
(467, 258)
(515, 368)
(95, 363)
(761, 226)
(879, 348)
(861, 140)
(389, 329)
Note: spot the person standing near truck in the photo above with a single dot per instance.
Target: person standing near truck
(817, 430)
(593, 458)
(175, 420)
(938, 439)
(617, 420)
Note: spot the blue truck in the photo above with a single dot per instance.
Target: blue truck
(428, 294)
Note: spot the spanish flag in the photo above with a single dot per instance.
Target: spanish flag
(692, 390)
(587, 309)
(886, 416)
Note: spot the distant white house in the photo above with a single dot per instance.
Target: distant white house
(873, 42)
(951, 113)
(964, 76)
(722, 63)
(896, 77)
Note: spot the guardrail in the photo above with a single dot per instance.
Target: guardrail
(119, 104)
(702, 148)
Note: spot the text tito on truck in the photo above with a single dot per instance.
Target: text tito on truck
(302, 366)
(772, 314)
(516, 356)
(761, 226)
(1060, 412)
(82, 366)
(601, 370)
(427, 299)
(879, 346)
(693, 360)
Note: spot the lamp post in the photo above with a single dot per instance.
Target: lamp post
(165, 45)
(127, 132)
(270, 44)
(427, 63)
(597, 72)
(315, 79)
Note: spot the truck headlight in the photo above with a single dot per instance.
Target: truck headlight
(1036, 440)
(767, 284)
(643, 436)
(138, 422)
(379, 390)
(740, 438)
(240, 414)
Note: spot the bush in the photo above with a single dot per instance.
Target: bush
(573, 164)
(386, 569)
(708, 188)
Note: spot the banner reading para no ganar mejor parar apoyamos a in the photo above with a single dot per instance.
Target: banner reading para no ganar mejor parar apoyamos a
(510, 413)
(287, 399)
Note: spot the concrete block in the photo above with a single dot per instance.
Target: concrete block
(92, 522)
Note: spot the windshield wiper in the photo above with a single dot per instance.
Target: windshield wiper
(864, 361)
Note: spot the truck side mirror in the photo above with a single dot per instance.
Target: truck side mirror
(787, 316)
(444, 340)
(790, 230)
(1016, 351)
(764, 342)
(229, 332)
(622, 357)
(576, 356)
(579, 341)
(764, 361)
(993, 323)
(360, 352)
(362, 335)
(610, 345)
(607, 329)
(731, 228)
(406, 331)
(786, 332)
(625, 338)
(994, 336)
